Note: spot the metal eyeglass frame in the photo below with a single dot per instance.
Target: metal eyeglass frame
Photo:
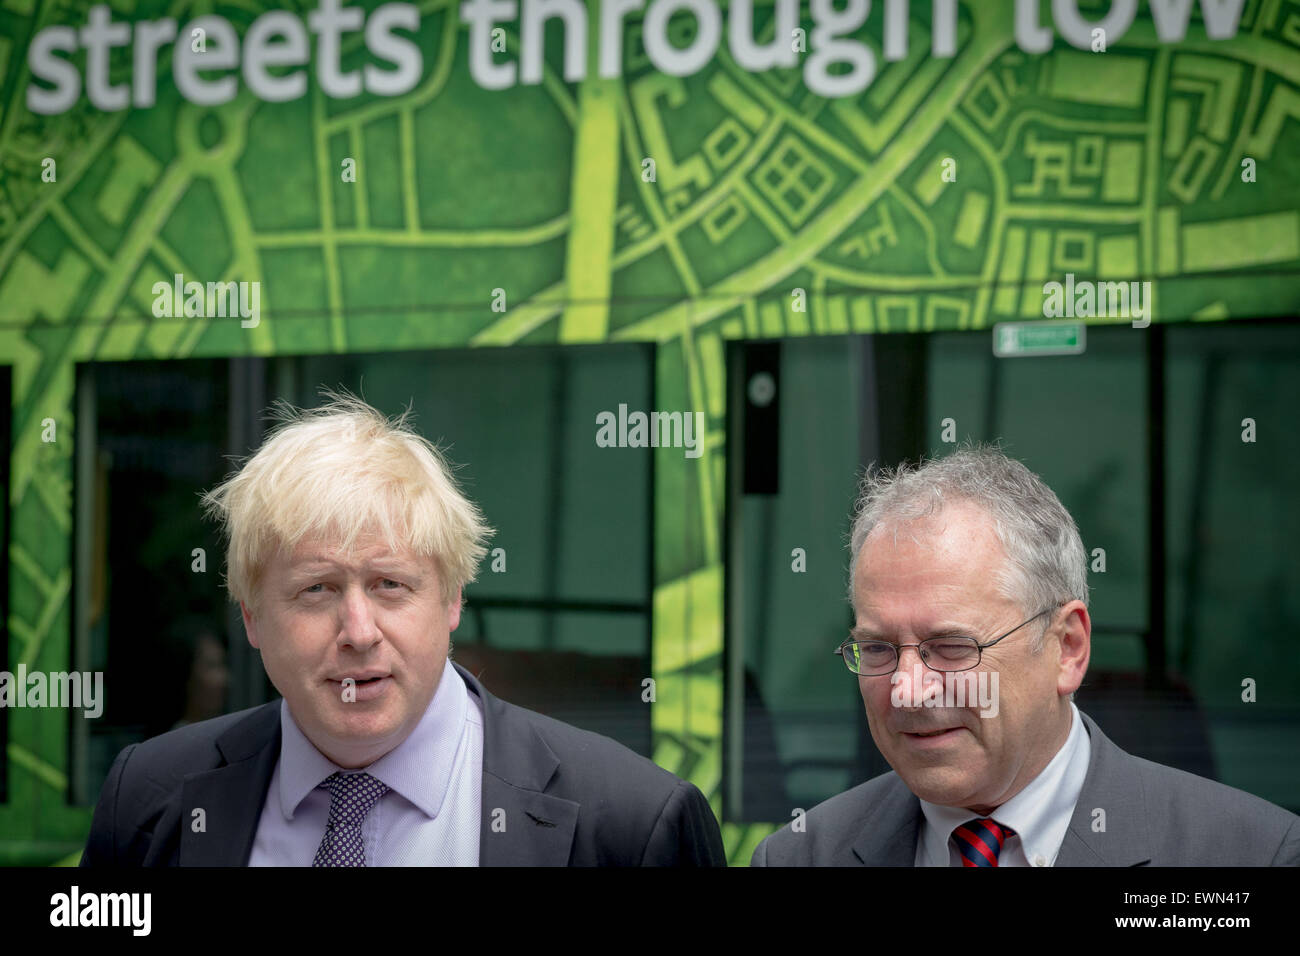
(920, 649)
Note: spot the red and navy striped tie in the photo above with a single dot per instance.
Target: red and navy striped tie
(979, 841)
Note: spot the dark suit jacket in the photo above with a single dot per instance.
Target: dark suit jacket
(570, 797)
(1155, 815)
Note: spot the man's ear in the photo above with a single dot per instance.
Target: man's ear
(250, 625)
(1076, 647)
(453, 610)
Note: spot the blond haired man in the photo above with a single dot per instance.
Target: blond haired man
(349, 546)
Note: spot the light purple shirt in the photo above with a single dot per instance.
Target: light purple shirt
(429, 817)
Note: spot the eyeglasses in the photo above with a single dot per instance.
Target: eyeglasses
(953, 653)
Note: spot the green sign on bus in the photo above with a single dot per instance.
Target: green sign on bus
(1016, 339)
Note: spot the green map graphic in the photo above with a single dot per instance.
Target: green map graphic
(1116, 166)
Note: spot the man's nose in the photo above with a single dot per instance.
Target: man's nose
(914, 671)
(358, 626)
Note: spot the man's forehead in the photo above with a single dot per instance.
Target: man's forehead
(964, 607)
(953, 558)
(314, 551)
(960, 531)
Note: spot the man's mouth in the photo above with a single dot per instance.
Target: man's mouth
(359, 679)
(931, 733)
(362, 685)
(362, 688)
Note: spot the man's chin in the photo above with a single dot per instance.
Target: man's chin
(942, 786)
(355, 722)
(360, 725)
(356, 743)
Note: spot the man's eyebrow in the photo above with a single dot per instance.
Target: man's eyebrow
(943, 630)
(865, 634)
(953, 630)
(313, 564)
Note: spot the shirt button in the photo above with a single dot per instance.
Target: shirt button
(1040, 860)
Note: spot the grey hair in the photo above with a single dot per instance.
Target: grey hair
(1046, 564)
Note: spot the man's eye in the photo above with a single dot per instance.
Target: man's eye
(308, 589)
(391, 581)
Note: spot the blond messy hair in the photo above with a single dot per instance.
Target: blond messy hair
(339, 471)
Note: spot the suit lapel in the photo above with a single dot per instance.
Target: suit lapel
(890, 830)
(1115, 789)
(522, 825)
(231, 796)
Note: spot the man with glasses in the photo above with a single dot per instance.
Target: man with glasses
(970, 596)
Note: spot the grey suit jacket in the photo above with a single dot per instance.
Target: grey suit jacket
(1155, 816)
(569, 796)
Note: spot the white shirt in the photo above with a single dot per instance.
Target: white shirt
(1040, 813)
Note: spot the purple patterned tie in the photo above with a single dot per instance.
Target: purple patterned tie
(352, 796)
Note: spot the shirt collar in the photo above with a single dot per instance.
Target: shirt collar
(1039, 814)
(419, 768)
